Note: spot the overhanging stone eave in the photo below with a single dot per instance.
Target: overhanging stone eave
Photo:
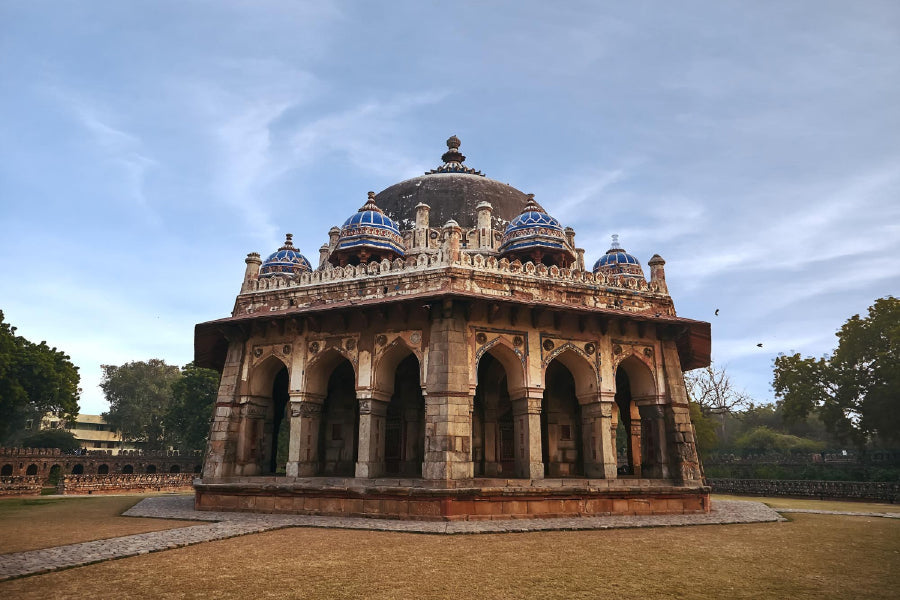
(210, 338)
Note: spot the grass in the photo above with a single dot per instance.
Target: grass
(42, 522)
(812, 556)
(840, 505)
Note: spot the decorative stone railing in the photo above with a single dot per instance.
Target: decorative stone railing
(857, 490)
(112, 484)
(476, 261)
(21, 485)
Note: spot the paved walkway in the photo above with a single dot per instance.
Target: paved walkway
(222, 525)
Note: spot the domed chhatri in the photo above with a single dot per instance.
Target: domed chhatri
(536, 236)
(368, 235)
(618, 262)
(287, 260)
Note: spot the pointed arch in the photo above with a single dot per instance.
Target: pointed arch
(263, 375)
(579, 365)
(507, 355)
(640, 376)
(320, 367)
(387, 362)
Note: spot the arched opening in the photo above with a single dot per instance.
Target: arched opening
(6, 471)
(493, 435)
(637, 433)
(78, 469)
(560, 424)
(150, 469)
(128, 469)
(174, 469)
(339, 427)
(31, 470)
(264, 431)
(103, 470)
(53, 477)
(404, 435)
(281, 426)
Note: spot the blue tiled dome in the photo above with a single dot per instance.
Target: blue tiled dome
(534, 229)
(618, 262)
(287, 260)
(372, 230)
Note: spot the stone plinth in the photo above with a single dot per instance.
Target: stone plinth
(475, 499)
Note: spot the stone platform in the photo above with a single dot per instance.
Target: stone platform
(466, 500)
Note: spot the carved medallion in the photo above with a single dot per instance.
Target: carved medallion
(549, 345)
(617, 349)
(313, 347)
(286, 349)
(480, 337)
(381, 339)
(350, 344)
(518, 341)
(257, 352)
(415, 338)
(590, 348)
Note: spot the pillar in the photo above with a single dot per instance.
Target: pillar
(221, 449)
(448, 399)
(683, 459)
(598, 436)
(370, 456)
(527, 431)
(303, 445)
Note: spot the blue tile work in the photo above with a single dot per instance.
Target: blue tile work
(534, 229)
(287, 260)
(618, 262)
(371, 228)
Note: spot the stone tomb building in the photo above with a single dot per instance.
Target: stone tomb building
(450, 357)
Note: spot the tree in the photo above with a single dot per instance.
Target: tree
(193, 399)
(704, 430)
(139, 395)
(855, 391)
(34, 379)
(711, 390)
(52, 438)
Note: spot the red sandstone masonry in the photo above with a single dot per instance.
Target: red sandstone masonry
(116, 484)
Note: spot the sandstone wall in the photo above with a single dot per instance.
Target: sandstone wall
(855, 490)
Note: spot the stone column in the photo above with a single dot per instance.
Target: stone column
(303, 446)
(223, 434)
(655, 416)
(684, 462)
(448, 402)
(635, 457)
(370, 458)
(527, 431)
(597, 436)
(254, 413)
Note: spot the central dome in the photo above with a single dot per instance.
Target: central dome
(452, 190)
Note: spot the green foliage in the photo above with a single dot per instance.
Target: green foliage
(191, 410)
(52, 438)
(704, 430)
(762, 440)
(34, 379)
(856, 391)
(139, 395)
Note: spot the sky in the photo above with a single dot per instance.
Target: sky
(147, 147)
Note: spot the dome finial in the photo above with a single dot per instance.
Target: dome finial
(453, 155)
(288, 242)
(370, 204)
(615, 242)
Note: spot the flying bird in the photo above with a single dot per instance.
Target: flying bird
(717, 312)
(759, 345)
